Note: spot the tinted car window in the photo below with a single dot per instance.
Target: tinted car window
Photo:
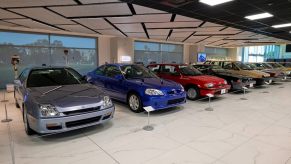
(136, 71)
(53, 77)
(23, 75)
(169, 69)
(154, 68)
(100, 70)
(189, 71)
(112, 71)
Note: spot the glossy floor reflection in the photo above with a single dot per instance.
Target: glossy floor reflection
(257, 130)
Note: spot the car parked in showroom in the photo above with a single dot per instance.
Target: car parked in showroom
(195, 83)
(240, 68)
(275, 74)
(59, 99)
(137, 86)
(236, 81)
(278, 66)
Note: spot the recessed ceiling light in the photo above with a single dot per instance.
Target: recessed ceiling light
(214, 2)
(259, 16)
(282, 25)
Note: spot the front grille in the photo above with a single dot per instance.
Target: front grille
(174, 91)
(176, 101)
(82, 122)
(82, 111)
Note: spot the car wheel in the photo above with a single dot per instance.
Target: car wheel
(135, 103)
(27, 128)
(192, 93)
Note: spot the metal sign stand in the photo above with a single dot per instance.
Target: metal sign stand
(6, 116)
(244, 96)
(148, 127)
(209, 108)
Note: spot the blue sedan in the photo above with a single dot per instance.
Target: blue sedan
(138, 87)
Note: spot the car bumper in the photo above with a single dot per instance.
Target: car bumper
(240, 85)
(214, 91)
(166, 101)
(67, 123)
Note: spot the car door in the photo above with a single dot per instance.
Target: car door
(114, 86)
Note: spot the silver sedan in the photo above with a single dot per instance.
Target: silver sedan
(58, 99)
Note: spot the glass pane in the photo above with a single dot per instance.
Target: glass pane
(147, 46)
(172, 48)
(22, 39)
(29, 56)
(83, 60)
(72, 42)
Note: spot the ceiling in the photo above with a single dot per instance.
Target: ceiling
(185, 21)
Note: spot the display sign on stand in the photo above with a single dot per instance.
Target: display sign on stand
(209, 108)
(148, 127)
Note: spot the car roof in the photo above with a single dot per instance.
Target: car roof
(45, 67)
(172, 64)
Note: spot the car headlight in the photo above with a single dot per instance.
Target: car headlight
(107, 102)
(209, 85)
(225, 82)
(182, 88)
(153, 92)
(48, 111)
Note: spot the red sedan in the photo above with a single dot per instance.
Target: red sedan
(195, 83)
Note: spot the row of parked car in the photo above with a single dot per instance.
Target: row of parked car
(58, 99)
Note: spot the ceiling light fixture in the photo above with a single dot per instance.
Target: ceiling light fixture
(282, 25)
(214, 2)
(259, 16)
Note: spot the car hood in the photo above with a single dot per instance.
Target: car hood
(231, 74)
(156, 83)
(206, 79)
(67, 96)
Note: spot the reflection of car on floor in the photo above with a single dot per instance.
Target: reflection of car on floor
(137, 86)
(195, 83)
(58, 99)
(244, 70)
(237, 82)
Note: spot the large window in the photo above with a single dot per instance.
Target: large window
(260, 53)
(42, 49)
(151, 52)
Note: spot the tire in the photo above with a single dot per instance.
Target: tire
(27, 128)
(192, 93)
(134, 103)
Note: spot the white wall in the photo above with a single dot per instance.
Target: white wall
(104, 50)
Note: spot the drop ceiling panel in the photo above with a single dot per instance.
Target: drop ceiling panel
(93, 10)
(181, 34)
(180, 18)
(157, 37)
(8, 15)
(77, 28)
(96, 23)
(137, 35)
(97, 1)
(216, 33)
(213, 39)
(209, 29)
(196, 38)
(142, 18)
(2, 23)
(146, 10)
(43, 15)
(31, 24)
(159, 32)
(176, 39)
(173, 25)
(208, 24)
(111, 32)
(130, 27)
(30, 3)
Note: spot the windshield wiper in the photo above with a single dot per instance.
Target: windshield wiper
(56, 88)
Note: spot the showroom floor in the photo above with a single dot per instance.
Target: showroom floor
(257, 130)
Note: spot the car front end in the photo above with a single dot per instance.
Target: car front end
(56, 119)
(214, 88)
(164, 97)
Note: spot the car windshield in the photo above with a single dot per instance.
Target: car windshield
(54, 77)
(216, 67)
(267, 65)
(189, 71)
(243, 66)
(136, 72)
(253, 66)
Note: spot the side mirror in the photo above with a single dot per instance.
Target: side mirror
(17, 82)
(118, 77)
